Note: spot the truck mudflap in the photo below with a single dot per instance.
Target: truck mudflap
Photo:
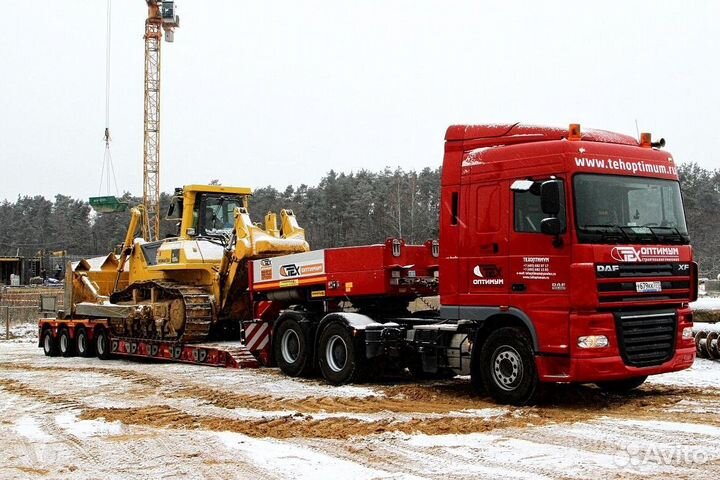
(226, 354)
(379, 337)
(257, 335)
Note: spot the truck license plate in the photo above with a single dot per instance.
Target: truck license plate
(648, 287)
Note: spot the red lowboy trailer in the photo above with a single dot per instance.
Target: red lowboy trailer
(92, 337)
(563, 257)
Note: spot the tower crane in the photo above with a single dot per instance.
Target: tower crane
(161, 18)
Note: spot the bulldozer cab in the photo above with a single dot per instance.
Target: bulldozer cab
(206, 210)
(214, 213)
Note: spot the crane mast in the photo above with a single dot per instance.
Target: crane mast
(161, 17)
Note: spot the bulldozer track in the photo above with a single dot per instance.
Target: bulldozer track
(198, 304)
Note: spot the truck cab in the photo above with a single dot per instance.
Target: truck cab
(575, 243)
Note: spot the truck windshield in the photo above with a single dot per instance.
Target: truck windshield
(618, 209)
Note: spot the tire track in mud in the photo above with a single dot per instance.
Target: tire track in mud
(57, 403)
(295, 426)
(442, 398)
(19, 388)
(421, 399)
(570, 404)
(644, 406)
(83, 451)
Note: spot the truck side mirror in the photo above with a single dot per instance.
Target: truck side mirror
(550, 197)
(551, 226)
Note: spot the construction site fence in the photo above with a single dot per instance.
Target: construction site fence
(23, 305)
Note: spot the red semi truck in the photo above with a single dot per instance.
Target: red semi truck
(563, 257)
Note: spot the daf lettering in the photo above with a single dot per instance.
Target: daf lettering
(608, 268)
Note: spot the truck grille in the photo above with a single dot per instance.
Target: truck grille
(616, 284)
(646, 338)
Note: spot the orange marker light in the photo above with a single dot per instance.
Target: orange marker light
(645, 140)
(574, 132)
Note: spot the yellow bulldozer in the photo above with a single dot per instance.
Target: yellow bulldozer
(189, 287)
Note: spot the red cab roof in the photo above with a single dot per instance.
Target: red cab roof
(508, 134)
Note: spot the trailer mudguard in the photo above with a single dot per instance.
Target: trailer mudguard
(355, 321)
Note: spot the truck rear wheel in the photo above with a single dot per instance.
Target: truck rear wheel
(622, 386)
(49, 343)
(67, 349)
(507, 367)
(84, 347)
(291, 348)
(102, 344)
(338, 357)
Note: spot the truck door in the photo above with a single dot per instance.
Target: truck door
(539, 266)
(483, 244)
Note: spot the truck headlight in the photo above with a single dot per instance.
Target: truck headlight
(687, 333)
(593, 341)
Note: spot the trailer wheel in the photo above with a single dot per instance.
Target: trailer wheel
(622, 386)
(339, 362)
(49, 343)
(102, 344)
(292, 352)
(84, 347)
(67, 349)
(507, 367)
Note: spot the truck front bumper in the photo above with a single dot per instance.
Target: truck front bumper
(602, 369)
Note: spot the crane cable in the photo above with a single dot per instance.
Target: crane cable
(107, 166)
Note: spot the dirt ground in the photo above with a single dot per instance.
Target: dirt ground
(86, 418)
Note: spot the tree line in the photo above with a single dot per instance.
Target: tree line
(343, 209)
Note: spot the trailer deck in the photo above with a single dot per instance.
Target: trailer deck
(220, 354)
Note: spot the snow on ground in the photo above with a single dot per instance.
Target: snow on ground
(707, 309)
(86, 418)
(23, 332)
(703, 374)
(708, 327)
(706, 303)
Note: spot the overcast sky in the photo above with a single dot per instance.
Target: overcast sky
(280, 92)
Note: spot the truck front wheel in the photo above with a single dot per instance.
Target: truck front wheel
(292, 352)
(337, 355)
(507, 367)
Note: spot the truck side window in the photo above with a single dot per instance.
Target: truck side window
(528, 212)
(455, 205)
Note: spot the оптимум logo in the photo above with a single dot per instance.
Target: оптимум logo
(487, 275)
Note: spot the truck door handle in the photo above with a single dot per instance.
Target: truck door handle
(491, 246)
(519, 287)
